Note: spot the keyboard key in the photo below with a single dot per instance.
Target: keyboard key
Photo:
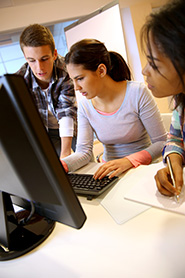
(84, 184)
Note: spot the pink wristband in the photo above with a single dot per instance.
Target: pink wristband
(142, 157)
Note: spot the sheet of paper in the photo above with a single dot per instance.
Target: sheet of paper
(112, 200)
(119, 208)
(144, 190)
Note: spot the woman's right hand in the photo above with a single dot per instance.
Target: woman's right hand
(163, 178)
(114, 168)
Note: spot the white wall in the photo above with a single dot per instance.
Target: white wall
(131, 45)
(100, 27)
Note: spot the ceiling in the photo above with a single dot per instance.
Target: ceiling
(11, 3)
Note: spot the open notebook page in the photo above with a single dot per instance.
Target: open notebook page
(144, 190)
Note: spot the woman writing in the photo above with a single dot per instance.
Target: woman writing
(163, 35)
(122, 113)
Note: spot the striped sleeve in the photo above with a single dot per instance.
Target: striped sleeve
(175, 141)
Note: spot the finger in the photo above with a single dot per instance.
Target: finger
(178, 173)
(112, 171)
(98, 173)
(104, 173)
(115, 173)
(164, 182)
(162, 189)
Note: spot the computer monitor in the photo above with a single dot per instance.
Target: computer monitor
(31, 175)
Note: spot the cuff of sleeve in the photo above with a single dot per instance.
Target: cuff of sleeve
(65, 166)
(173, 149)
(66, 127)
(142, 157)
(167, 153)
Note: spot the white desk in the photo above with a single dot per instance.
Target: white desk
(151, 245)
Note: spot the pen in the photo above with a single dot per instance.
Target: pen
(172, 176)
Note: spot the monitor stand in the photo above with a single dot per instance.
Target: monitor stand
(17, 239)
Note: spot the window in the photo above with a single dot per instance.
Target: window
(11, 56)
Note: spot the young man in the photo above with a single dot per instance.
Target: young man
(49, 83)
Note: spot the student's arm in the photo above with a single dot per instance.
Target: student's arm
(151, 118)
(65, 146)
(152, 121)
(64, 98)
(175, 150)
(175, 142)
(66, 128)
(85, 138)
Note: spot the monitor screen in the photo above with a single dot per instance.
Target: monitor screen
(31, 175)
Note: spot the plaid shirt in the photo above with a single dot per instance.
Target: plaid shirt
(61, 95)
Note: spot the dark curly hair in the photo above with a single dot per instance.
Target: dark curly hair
(167, 28)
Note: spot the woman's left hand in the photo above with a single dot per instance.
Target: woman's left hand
(116, 166)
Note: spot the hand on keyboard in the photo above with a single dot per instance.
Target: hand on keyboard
(85, 184)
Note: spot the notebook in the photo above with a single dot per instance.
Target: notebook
(144, 190)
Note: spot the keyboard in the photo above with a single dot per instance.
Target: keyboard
(85, 184)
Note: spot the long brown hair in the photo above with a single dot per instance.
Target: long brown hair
(90, 53)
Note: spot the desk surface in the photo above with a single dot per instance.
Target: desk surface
(151, 245)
